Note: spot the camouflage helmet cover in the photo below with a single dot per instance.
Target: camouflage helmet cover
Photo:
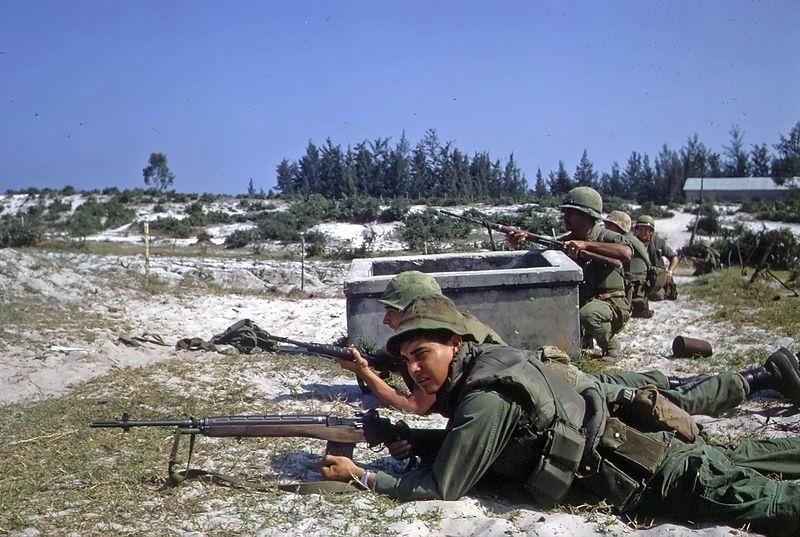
(427, 313)
(619, 218)
(406, 286)
(584, 199)
(646, 220)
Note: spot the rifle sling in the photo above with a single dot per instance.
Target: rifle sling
(176, 477)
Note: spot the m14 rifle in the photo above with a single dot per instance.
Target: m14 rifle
(549, 243)
(245, 335)
(342, 434)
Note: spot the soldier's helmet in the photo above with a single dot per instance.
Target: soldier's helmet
(584, 199)
(406, 286)
(646, 220)
(619, 218)
(432, 313)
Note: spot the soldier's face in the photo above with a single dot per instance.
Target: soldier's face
(644, 233)
(575, 220)
(391, 317)
(429, 361)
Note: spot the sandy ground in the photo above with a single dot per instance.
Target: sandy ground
(65, 358)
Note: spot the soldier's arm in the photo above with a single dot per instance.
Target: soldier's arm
(417, 402)
(479, 430)
(621, 250)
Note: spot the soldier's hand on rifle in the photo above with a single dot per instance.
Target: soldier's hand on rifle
(337, 468)
(516, 238)
(358, 364)
(399, 449)
(574, 248)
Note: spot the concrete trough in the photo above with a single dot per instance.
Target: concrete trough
(529, 297)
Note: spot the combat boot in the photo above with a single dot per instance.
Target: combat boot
(780, 372)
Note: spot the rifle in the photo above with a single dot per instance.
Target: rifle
(246, 335)
(549, 243)
(341, 433)
(382, 362)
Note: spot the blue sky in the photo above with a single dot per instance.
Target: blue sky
(88, 89)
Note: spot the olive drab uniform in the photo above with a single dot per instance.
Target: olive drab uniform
(519, 418)
(604, 303)
(658, 249)
(640, 276)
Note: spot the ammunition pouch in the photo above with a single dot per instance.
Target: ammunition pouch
(649, 411)
(620, 306)
(656, 278)
(624, 462)
(560, 362)
(555, 471)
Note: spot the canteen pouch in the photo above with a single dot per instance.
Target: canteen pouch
(555, 471)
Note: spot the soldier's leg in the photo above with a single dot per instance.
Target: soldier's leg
(640, 308)
(735, 494)
(769, 456)
(595, 317)
(635, 380)
(656, 294)
(711, 395)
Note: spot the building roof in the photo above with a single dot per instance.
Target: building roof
(739, 183)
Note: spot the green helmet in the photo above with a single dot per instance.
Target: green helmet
(619, 218)
(646, 220)
(407, 286)
(584, 199)
(427, 313)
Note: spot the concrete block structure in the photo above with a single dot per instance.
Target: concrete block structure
(529, 297)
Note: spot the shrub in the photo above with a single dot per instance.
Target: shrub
(315, 243)
(117, 214)
(311, 211)
(779, 211)
(21, 231)
(356, 209)
(87, 219)
(241, 238)
(396, 211)
(279, 226)
(753, 245)
(430, 229)
(172, 227)
(218, 217)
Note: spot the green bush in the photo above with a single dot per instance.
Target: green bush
(316, 241)
(311, 211)
(650, 209)
(117, 214)
(356, 209)
(21, 231)
(241, 238)
(87, 219)
(280, 226)
(778, 211)
(172, 227)
(753, 245)
(56, 208)
(218, 217)
(396, 211)
(430, 229)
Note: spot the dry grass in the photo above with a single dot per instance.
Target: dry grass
(762, 304)
(60, 476)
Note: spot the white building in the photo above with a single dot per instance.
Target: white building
(739, 189)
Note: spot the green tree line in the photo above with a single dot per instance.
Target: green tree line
(435, 169)
(375, 169)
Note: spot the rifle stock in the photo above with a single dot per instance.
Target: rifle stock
(548, 242)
